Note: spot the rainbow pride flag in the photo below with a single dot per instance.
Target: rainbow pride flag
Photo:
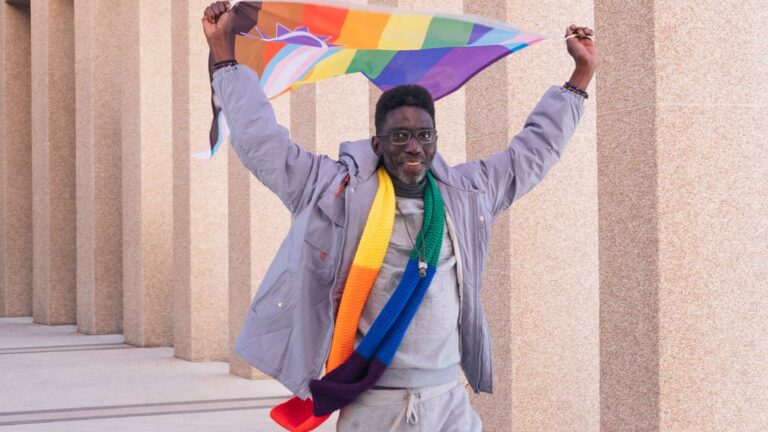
(291, 43)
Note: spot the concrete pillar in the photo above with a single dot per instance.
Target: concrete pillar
(53, 161)
(147, 172)
(341, 112)
(541, 283)
(629, 274)
(98, 169)
(486, 133)
(15, 162)
(683, 199)
(258, 222)
(200, 198)
(302, 106)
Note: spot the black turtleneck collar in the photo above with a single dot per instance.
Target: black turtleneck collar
(409, 190)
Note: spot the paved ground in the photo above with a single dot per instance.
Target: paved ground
(55, 379)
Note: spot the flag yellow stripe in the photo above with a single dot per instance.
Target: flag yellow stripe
(405, 32)
(331, 66)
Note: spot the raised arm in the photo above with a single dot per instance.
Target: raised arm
(513, 172)
(263, 145)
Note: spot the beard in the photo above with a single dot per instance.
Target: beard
(407, 172)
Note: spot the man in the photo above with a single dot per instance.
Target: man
(428, 225)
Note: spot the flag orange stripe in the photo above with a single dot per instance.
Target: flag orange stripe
(362, 29)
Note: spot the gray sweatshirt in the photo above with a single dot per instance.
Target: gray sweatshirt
(429, 353)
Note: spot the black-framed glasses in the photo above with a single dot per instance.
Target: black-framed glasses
(400, 137)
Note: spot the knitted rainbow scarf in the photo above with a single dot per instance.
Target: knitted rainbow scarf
(354, 371)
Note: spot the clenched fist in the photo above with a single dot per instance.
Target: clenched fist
(582, 49)
(218, 19)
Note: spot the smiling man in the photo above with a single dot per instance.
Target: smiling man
(378, 281)
(406, 139)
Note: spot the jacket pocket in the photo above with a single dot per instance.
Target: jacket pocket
(275, 310)
(322, 237)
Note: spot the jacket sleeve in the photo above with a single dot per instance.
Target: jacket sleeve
(261, 143)
(511, 173)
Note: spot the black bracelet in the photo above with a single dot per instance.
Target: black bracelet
(224, 63)
(573, 89)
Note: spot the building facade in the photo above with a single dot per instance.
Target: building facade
(627, 292)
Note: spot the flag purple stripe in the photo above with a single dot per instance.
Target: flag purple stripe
(458, 66)
(407, 67)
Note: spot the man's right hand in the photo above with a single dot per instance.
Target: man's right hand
(218, 20)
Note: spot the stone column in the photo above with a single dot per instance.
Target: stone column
(683, 199)
(15, 162)
(258, 222)
(341, 112)
(629, 392)
(200, 199)
(303, 112)
(147, 174)
(98, 168)
(541, 282)
(53, 161)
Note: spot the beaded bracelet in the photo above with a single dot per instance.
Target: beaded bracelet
(224, 63)
(573, 89)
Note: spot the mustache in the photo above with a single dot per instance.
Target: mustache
(411, 159)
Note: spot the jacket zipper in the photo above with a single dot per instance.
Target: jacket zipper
(342, 187)
(475, 218)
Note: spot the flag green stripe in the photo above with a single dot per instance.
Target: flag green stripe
(370, 62)
(446, 32)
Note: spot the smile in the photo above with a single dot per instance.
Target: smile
(412, 166)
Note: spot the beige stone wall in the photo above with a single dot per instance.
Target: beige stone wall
(712, 188)
(626, 292)
(681, 132)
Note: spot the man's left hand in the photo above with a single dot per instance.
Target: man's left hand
(581, 47)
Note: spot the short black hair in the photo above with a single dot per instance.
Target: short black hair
(403, 95)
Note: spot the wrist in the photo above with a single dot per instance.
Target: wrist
(582, 75)
(221, 49)
(575, 90)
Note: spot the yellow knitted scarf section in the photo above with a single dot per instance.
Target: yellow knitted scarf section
(365, 268)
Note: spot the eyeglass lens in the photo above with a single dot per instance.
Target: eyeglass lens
(423, 136)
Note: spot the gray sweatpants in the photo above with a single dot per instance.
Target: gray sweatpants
(443, 408)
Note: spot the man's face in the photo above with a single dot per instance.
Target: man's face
(411, 161)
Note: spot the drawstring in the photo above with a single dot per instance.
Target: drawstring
(407, 398)
(410, 407)
(408, 411)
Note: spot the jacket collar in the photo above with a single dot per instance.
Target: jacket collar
(362, 163)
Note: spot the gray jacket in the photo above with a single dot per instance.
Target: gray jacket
(287, 332)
